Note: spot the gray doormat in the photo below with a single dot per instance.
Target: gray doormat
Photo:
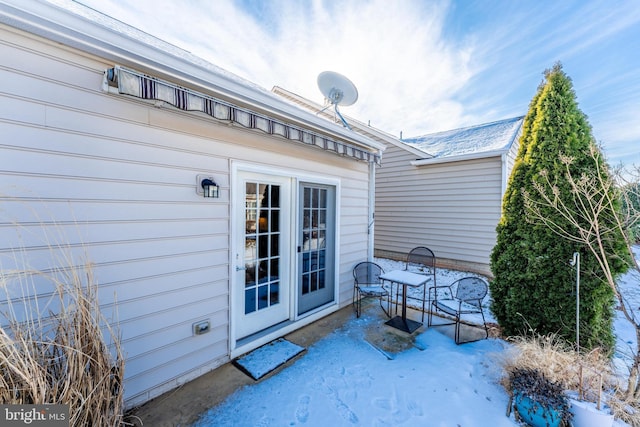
(268, 358)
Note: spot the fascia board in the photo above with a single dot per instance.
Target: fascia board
(458, 158)
(317, 109)
(57, 24)
(416, 152)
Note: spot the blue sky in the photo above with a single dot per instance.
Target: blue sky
(421, 66)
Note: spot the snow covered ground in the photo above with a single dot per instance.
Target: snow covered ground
(342, 380)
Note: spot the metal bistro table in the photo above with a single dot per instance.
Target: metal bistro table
(405, 278)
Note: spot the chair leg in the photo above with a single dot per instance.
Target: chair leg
(382, 307)
(459, 321)
(424, 299)
(354, 301)
(484, 322)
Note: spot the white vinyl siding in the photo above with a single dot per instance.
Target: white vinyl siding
(113, 178)
(353, 233)
(511, 155)
(452, 208)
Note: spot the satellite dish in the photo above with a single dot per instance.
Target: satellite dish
(339, 90)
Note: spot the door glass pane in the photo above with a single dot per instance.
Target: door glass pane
(274, 224)
(275, 267)
(263, 294)
(263, 272)
(275, 246)
(275, 196)
(306, 264)
(249, 300)
(321, 268)
(274, 295)
(307, 197)
(321, 239)
(314, 216)
(262, 246)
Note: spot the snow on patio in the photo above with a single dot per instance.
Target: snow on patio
(343, 380)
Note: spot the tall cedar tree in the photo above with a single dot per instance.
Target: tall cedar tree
(534, 284)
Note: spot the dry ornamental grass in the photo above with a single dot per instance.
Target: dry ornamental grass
(589, 374)
(60, 356)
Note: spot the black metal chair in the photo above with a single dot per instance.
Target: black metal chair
(367, 283)
(464, 296)
(420, 260)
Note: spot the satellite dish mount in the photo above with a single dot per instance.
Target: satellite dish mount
(338, 90)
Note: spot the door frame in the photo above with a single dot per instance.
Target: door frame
(295, 320)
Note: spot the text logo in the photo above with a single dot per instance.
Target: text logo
(34, 415)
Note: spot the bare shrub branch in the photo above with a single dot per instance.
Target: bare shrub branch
(592, 218)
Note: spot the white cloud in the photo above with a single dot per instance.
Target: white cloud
(419, 66)
(382, 46)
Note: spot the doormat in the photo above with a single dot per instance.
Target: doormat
(268, 358)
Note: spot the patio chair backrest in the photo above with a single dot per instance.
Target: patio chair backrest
(420, 259)
(367, 273)
(471, 289)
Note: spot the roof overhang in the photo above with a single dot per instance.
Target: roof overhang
(458, 158)
(79, 29)
(321, 111)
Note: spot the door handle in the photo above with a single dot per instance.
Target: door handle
(240, 268)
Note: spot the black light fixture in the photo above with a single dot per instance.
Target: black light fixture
(210, 188)
(206, 186)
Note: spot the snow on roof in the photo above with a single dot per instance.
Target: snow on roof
(489, 137)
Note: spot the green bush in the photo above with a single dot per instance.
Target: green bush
(534, 285)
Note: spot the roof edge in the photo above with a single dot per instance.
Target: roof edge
(514, 118)
(458, 158)
(53, 22)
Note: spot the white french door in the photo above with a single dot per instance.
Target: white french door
(285, 249)
(316, 246)
(262, 263)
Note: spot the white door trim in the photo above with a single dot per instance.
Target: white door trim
(296, 176)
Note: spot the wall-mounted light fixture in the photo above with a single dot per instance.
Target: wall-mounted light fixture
(207, 187)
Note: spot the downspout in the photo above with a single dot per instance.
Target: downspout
(371, 209)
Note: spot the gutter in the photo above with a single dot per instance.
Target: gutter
(458, 158)
(53, 22)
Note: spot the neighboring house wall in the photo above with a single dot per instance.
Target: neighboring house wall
(113, 179)
(452, 208)
(510, 160)
(512, 154)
